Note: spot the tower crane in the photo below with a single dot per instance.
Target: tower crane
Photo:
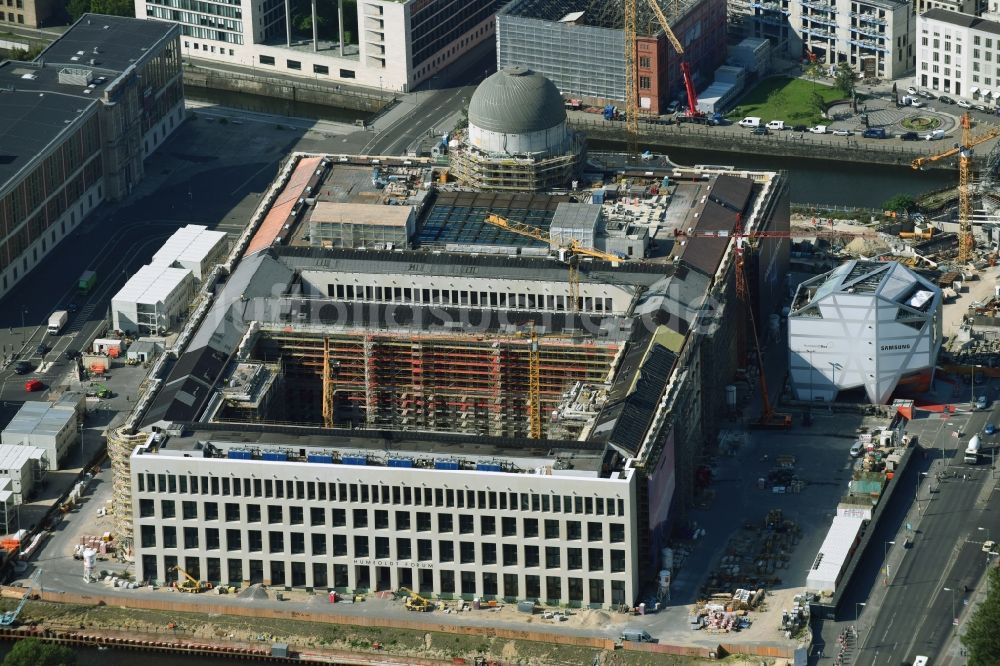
(966, 242)
(573, 251)
(631, 75)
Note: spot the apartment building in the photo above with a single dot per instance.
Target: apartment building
(959, 55)
(874, 36)
(29, 13)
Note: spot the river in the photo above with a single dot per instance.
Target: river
(810, 181)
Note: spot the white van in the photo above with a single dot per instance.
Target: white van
(776, 125)
(750, 121)
(934, 136)
(636, 636)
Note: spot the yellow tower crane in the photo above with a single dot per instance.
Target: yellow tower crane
(632, 75)
(574, 250)
(966, 243)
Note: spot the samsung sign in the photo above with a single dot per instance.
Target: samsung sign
(894, 347)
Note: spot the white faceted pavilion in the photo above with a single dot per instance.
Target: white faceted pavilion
(866, 324)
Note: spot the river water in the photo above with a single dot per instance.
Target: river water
(810, 181)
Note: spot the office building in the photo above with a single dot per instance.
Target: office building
(959, 55)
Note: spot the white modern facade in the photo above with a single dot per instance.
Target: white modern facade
(445, 525)
(389, 44)
(959, 54)
(876, 37)
(194, 247)
(864, 324)
(153, 300)
(52, 427)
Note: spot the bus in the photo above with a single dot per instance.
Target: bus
(86, 282)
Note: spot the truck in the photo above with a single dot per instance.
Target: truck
(86, 282)
(972, 451)
(57, 320)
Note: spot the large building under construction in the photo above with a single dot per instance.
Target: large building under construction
(580, 46)
(356, 415)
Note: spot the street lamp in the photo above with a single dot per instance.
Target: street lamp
(24, 338)
(885, 558)
(954, 619)
(857, 610)
(916, 491)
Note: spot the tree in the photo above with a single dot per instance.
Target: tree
(77, 8)
(818, 102)
(113, 7)
(900, 202)
(845, 78)
(32, 652)
(981, 637)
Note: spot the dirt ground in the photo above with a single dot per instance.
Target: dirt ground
(300, 635)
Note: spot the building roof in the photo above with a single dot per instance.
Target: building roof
(887, 280)
(834, 553)
(359, 213)
(961, 20)
(609, 15)
(15, 456)
(278, 214)
(516, 100)
(38, 418)
(190, 243)
(151, 284)
(120, 41)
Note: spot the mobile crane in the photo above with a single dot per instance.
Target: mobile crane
(415, 602)
(631, 74)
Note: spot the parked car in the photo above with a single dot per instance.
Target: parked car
(917, 104)
(759, 130)
(819, 129)
(33, 385)
(799, 128)
(22, 368)
(982, 402)
(672, 107)
(944, 99)
(42, 349)
(909, 136)
(926, 94)
(989, 429)
(934, 135)
(875, 133)
(981, 108)
(857, 449)
(911, 90)
(965, 105)
(71, 354)
(842, 132)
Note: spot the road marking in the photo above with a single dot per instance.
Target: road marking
(247, 181)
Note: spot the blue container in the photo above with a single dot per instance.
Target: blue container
(239, 454)
(400, 462)
(319, 458)
(488, 467)
(354, 460)
(275, 455)
(445, 464)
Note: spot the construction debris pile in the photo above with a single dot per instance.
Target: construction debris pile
(796, 619)
(782, 478)
(753, 555)
(724, 613)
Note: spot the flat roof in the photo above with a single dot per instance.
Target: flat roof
(963, 20)
(120, 41)
(460, 218)
(192, 242)
(360, 213)
(525, 454)
(153, 283)
(40, 418)
(15, 456)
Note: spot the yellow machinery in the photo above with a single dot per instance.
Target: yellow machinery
(190, 583)
(573, 252)
(632, 75)
(415, 602)
(966, 243)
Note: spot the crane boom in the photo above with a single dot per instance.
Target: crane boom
(966, 241)
(539, 235)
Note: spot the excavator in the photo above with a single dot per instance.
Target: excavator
(415, 602)
(190, 583)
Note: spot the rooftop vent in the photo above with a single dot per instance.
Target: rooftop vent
(75, 76)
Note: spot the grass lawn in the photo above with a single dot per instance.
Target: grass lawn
(782, 98)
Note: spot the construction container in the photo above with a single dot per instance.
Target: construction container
(526, 607)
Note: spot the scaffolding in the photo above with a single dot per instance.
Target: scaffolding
(121, 443)
(476, 384)
(480, 170)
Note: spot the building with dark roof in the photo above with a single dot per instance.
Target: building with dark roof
(77, 124)
(425, 369)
